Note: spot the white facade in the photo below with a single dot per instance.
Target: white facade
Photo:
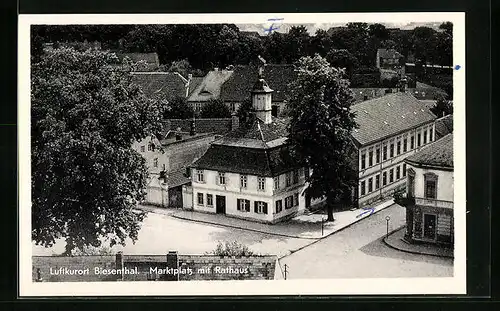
(281, 200)
(381, 166)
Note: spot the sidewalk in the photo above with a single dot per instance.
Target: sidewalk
(302, 226)
(395, 240)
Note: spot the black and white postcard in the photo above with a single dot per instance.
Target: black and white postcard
(242, 154)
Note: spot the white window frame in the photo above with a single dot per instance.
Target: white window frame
(243, 181)
(221, 178)
(155, 162)
(276, 181)
(200, 173)
(261, 183)
(211, 201)
(260, 207)
(201, 196)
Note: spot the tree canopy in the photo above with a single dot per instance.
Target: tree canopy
(86, 178)
(320, 129)
(178, 108)
(215, 108)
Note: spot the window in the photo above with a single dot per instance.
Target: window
(404, 169)
(398, 172)
(143, 148)
(243, 181)
(377, 182)
(370, 185)
(276, 182)
(412, 142)
(200, 198)
(155, 162)
(362, 190)
(385, 153)
(431, 132)
(233, 107)
(430, 181)
(279, 206)
(222, 178)
(288, 178)
(296, 176)
(210, 200)
(306, 172)
(288, 202)
(418, 139)
(398, 148)
(199, 176)
(243, 205)
(370, 158)
(391, 175)
(405, 145)
(260, 207)
(392, 150)
(363, 161)
(377, 155)
(425, 137)
(296, 199)
(384, 179)
(261, 183)
(151, 147)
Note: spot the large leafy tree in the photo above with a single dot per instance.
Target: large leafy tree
(178, 108)
(86, 178)
(320, 129)
(442, 107)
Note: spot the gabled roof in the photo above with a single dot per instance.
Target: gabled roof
(257, 134)
(161, 85)
(387, 116)
(193, 84)
(237, 88)
(210, 86)
(444, 126)
(438, 154)
(388, 53)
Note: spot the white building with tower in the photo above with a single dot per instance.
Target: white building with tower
(249, 172)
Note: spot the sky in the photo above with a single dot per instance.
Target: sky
(260, 28)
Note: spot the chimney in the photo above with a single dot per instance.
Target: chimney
(216, 68)
(172, 263)
(261, 100)
(403, 84)
(192, 131)
(178, 135)
(235, 122)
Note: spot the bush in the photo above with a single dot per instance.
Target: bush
(231, 249)
(215, 108)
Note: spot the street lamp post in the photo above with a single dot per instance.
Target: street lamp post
(322, 222)
(387, 218)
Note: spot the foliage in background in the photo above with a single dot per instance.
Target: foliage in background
(231, 249)
(86, 178)
(442, 107)
(215, 108)
(320, 130)
(178, 108)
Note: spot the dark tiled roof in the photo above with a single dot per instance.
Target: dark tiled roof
(160, 85)
(438, 153)
(219, 126)
(254, 161)
(210, 86)
(177, 178)
(389, 53)
(421, 92)
(388, 115)
(256, 149)
(444, 126)
(239, 86)
(259, 131)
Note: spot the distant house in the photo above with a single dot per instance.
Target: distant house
(148, 61)
(208, 88)
(429, 193)
(121, 267)
(238, 87)
(389, 59)
(162, 85)
(391, 128)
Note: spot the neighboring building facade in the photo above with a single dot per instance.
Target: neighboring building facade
(167, 157)
(391, 128)
(429, 193)
(249, 173)
(238, 87)
(208, 89)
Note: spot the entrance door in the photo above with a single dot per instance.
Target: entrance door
(429, 226)
(220, 204)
